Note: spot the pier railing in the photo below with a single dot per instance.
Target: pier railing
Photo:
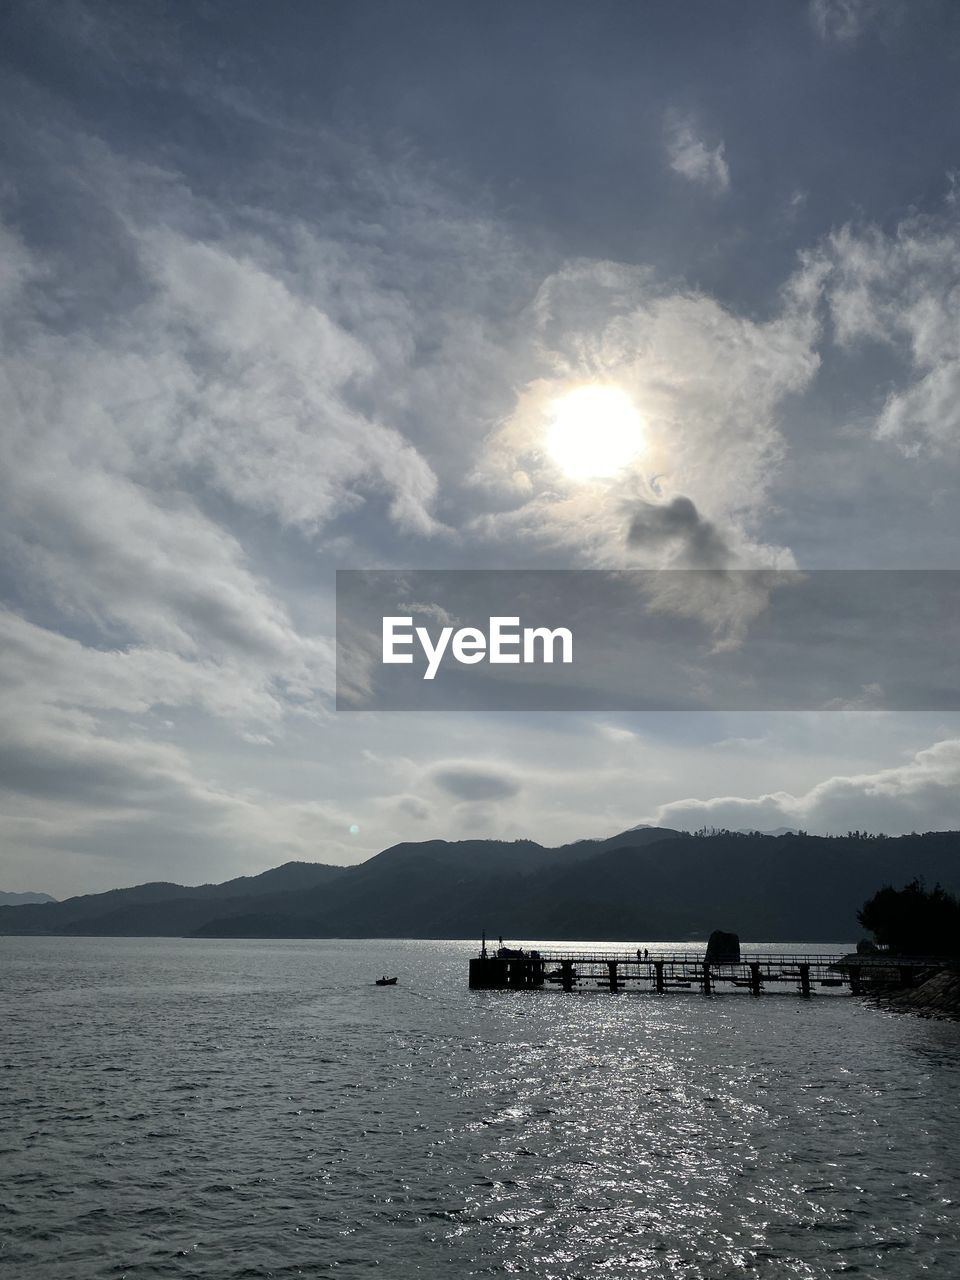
(552, 956)
(659, 971)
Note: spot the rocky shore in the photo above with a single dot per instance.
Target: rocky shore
(938, 997)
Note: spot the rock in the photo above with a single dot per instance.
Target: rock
(937, 997)
(723, 948)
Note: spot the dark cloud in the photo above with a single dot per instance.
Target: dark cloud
(413, 807)
(475, 782)
(699, 544)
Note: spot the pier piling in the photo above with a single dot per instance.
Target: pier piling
(586, 968)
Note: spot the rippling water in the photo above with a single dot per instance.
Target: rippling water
(178, 1108)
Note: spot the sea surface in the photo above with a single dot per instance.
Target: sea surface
(176, 1108)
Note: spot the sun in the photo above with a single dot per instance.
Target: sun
(594, 432)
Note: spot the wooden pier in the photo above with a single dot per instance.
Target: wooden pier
(507, 969)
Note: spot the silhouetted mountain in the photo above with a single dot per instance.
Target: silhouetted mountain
(23, 899)
(635, 838)
(776, 888)
(648, 884)
(160, 908)
(403, 888)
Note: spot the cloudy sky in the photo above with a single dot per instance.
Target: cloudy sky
(299, 287)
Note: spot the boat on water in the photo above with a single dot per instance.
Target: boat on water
(386, 982)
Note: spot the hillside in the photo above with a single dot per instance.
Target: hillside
(161, 908)
(414, 887)
(648, 884)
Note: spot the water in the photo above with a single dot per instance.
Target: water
(250, 1109)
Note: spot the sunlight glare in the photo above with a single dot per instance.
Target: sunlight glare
(594, 432)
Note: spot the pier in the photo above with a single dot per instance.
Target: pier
(659, 972)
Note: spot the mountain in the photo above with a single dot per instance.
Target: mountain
(159, 908)
(420, 888)
(772, 888)
(635, 838)
(643, 885)
(23, 899)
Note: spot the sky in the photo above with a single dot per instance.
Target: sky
(292, 288)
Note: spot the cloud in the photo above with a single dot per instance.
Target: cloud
(18, 268)
(117, 801)
(63, 757)
(52, 669)
(429, 612)
(203, 406)
(726, 603)
(474, 782)
(107, 548)
(406, 806)
(696, 542)
(920, 795)
(690, 156)
(269, 418)
(217, 382)
(151, 430)
(900, 290)
(116, 439)
(738, 744)
(708, 383)
(870, 698)
(844, 21)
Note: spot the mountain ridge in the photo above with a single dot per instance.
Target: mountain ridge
(650, 883)
(8, 899)
(166, 907)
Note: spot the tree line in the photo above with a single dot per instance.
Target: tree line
(914, 920)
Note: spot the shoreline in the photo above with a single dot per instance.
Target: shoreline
(937, 998)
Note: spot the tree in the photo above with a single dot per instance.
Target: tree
(914, 920)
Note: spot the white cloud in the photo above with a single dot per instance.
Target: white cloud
(55, 670)
(689, 155)
(921, 795)
(901, 290)
(186, 414)
(267, 418)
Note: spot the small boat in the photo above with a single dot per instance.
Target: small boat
(386, 982)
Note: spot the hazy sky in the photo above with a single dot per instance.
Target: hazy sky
(292, 287)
